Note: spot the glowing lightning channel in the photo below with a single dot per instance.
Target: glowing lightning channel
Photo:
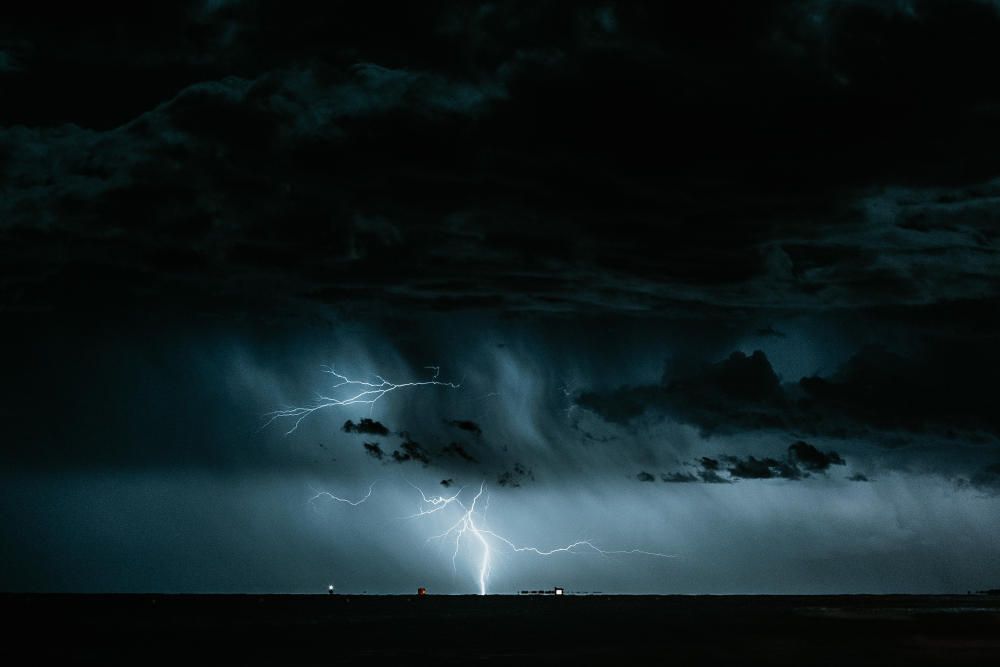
(352, 503)
(467, 524)
(368, 393)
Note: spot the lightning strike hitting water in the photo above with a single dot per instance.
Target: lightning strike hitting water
(359, 392)
(467, 524)
(369, 393)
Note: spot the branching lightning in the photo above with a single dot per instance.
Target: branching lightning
(358, 392)
(329, 496)
(470, 523)
(471, 520)
(466, 525)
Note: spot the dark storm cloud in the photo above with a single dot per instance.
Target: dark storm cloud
(937, 389)
(933, 388)
(644, 476)
(411, 451)
(339, 154)
(600, 160)
(677, 477)
(712, 477)
(374, 450)
(808, 457)
(708, 463)
(987, 479)
(741, 392)
(708, 472)
(801, 461)
(365, 425)
(751, 467)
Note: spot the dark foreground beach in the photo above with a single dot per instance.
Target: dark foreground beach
(681, 630)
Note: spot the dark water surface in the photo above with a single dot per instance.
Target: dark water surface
(348, 629)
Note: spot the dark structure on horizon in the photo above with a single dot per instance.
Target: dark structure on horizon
(553, 591)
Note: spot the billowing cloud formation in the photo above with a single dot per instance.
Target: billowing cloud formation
(411, 451)
(754, 468)
(808, 457)
(374, 450)
(874, 392)
(740, 392)
(802, 459)
(935, 389)
(173, 175)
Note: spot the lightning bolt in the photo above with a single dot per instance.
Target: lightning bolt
(368, 393)
(330, 496)
(466, 525)
(358, 392)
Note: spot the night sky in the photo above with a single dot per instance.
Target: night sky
(714, 280)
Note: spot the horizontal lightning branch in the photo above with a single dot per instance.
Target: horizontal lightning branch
(329, 496)
(466, 525)
(354, 392)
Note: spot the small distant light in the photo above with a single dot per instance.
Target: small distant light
(558, 591)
